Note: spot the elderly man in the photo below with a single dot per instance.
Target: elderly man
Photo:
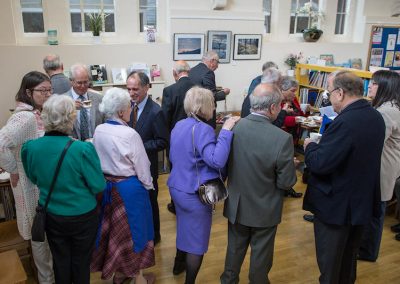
(203, 75)
(172, 101)
(256, 186)
(343, 188)
(55, 69)
(86, 102)
(148, 120)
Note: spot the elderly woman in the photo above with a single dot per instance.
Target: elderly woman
(25, 124)
(124, 244)
(191, 168)
(72, 220)
(384, 91)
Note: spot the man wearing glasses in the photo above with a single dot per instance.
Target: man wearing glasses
(86, 102)
(203, 75)
(343, 188)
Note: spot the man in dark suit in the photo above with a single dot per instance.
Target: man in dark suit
(86, 102)
(256, 186)
(203, 75)
(343, 187)
(148, 120)
(55, 69)
(172, 101)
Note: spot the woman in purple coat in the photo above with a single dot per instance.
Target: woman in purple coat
(193, 218)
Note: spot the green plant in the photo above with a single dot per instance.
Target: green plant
(315, 16)
(95, 21)
(293, 59)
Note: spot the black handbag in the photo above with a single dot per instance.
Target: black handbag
(211, 191)
(39, 222)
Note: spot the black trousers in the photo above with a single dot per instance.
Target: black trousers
(71, 240)
(337, 248)
(153, 194)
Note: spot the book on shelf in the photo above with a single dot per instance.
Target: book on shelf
(98, 73)
(119, 75)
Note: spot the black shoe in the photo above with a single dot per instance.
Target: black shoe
(179, 266)
(395, 228)
(171, 208)
(292, 193)
(365, 259)
(397, 237)
(308, 217)
(157, 239)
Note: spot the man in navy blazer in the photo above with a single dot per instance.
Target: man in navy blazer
(203, 75)
(343, 188)
(150, 124)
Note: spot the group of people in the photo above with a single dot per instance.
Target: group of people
(103, 214)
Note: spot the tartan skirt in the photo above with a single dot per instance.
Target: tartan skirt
(115, 249)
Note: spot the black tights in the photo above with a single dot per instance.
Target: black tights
(193, 263)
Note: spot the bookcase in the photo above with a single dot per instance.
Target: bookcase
(314, 77)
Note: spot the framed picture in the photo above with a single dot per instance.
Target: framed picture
(247, 47)
(220, 42)
(188, 46)
(328, 59)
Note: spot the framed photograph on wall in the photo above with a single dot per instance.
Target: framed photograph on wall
(220, 42)
(247, 47)
(328, 59)
(188, 46)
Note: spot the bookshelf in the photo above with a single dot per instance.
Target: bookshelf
(314, 77)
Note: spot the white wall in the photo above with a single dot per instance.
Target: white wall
(178, 16)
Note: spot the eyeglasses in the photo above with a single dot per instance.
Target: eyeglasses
(373, 83)
(331, 92)
(44, 91)
(216, 60)
(132, 89)
(82, 83)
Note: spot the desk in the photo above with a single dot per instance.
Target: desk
(7, 199)
(11, 269)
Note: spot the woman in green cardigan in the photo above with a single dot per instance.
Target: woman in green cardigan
(72, 220)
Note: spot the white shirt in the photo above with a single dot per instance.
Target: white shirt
(141, 107)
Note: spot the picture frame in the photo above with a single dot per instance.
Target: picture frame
(188, 46)
(247, 46)
(328, 59)
(220, 42)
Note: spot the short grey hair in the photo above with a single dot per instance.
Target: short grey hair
(269, 64)
(181, 66)
(114, 100)
(199, 101)
(264, 96)
(271, 76)
(79, 66)
(288, 82)
(210, 55)
(349, 82)
(59, 114)
(51, 62)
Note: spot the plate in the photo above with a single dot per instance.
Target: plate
(4, 177)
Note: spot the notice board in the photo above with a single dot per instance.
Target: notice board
(384, 47)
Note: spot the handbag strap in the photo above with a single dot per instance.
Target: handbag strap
(57, 171)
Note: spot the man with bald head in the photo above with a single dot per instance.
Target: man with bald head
(256, 186)
(55, 69)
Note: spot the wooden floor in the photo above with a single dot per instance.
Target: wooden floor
(294, 257)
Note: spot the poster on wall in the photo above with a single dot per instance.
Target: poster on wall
(391, 42)
(396, 62)
(376, 57)
(376, 35)
(389, 59)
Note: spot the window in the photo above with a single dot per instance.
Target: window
(148, 14)
(301, 21)
(32, 16)
(267, 15)
(79, 10)
(341, 16)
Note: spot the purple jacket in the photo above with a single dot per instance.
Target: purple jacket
(211, 154)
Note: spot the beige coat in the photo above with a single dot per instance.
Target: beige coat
(390, 162)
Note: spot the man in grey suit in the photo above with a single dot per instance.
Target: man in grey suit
(55, 69)
(260, 168)
(87, 103)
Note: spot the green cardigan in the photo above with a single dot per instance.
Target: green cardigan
(79, 180)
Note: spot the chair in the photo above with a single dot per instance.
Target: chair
(10, 239)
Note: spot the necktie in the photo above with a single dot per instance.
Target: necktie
(134, 115)
(84, 122)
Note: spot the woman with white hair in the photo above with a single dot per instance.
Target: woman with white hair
(124, 244)
(72, 220)
(197, 156)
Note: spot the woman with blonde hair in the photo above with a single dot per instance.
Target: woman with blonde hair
(197, 156)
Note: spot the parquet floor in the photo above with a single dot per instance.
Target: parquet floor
(294, 258)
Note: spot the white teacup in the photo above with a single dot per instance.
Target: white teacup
(87, 104)
(304, 107)
(315, 137)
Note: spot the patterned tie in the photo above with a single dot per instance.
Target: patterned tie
(84, 126)
(134, 115)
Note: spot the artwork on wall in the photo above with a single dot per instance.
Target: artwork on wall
(188, 46)
(220, 42)
(328, 59)
(247, 46)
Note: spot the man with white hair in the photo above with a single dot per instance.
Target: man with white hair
(87, 103)
(55, 69)
(203, 75)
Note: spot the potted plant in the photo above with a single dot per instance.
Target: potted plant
(95, 21)
(291, 61)
(312, 33)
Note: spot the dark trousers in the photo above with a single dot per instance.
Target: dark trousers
(71, 240)
(372, 236)
(261, 241)
(337, 248)
(153, 194)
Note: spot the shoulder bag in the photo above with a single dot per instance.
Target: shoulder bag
(39, 222)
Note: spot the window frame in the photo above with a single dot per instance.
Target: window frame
(297, 15)
(266, 14)
(156, 28)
